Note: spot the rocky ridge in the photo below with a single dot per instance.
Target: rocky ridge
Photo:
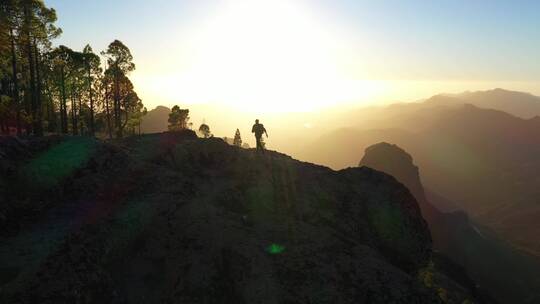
(173, 218)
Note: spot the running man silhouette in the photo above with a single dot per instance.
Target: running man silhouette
(259, 130)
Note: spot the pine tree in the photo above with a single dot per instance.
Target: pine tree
(178, 119)
(59, 89)
(93, 70)
(237, 139)
(120, 63)
(204, 129)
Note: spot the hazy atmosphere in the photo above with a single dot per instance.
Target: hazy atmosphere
(283, 151)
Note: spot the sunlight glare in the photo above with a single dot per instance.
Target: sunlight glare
(265, 56)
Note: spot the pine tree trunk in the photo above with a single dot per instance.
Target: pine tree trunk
(51, 117)
(123, 125)
(81, 126)
(63, 110)
(75, 131)
(117, 111)
(15, 82)
(32, 71)
(33, 95)
(27, 109)
(108, 113)
(38, 126)
(92, 130)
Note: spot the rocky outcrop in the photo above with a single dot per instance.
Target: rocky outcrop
(191, 220)
(393, 160)
(463, 250)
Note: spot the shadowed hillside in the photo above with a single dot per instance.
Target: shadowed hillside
(169, 217)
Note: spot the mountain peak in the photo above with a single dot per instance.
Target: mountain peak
(521, 104)
(393, 160)
(161, 108)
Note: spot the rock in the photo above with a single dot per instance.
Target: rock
(393, 160)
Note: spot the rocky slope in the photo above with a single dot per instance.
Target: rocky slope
(500, 270)
(172, 218)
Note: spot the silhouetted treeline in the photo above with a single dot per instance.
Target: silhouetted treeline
(46, 89)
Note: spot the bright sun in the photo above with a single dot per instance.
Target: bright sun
(265, 56)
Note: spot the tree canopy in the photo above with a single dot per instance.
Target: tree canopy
(178, 119)
(55, 89)
(204, 129)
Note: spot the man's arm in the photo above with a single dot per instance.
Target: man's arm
(265, 132)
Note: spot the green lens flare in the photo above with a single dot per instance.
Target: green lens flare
(51, 166)
(275, 249)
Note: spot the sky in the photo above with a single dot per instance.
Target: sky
(305, 55)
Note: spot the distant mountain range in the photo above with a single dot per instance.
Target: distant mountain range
(290, 132)
(519, 104)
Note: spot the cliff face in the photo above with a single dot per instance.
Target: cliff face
(393, 160)
(500, 270)
(169, 217)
